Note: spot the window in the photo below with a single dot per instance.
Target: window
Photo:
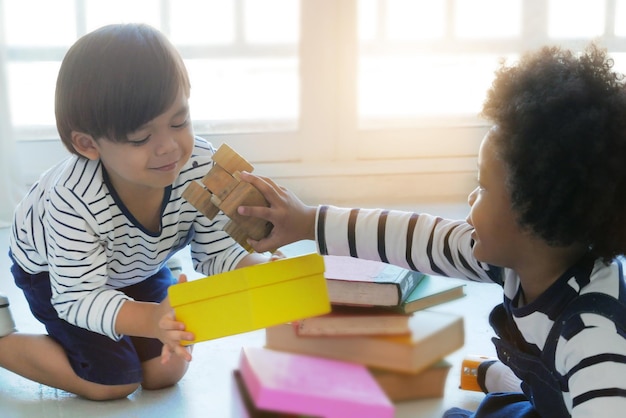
(424, 66)
(241, 56)
(422, 60)
(322, 93)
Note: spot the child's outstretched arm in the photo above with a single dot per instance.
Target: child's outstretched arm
(292, 219)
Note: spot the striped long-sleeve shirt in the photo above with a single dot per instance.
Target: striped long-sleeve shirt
(591, 351)
(73, 225)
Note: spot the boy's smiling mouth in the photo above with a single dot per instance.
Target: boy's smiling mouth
(167, 167)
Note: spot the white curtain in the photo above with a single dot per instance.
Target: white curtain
(10, 184)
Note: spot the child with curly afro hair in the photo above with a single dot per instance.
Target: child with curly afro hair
(546, 222)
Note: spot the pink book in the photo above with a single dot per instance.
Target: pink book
(302, 384)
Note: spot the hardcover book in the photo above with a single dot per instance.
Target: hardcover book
(432, 290)
(433, 336)
(302, 384)
(252, 297)
(243, 407)
(429, 383)
(352, 320)
(354, 281)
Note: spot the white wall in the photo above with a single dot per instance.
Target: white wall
(348, 179)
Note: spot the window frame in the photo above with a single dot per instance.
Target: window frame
(328, 157)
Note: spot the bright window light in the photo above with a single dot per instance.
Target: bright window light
(100, 13)
(427, 86)
(620, 17)
(25, 28)
(272, 21)
(31, 92)
(482, 19)
(575, 18)
(400, 84)
(244, 67)
(212, 22)
(243, 89)
(415, 20)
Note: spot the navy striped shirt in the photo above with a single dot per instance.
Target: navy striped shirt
(73, 225)
(591, 351)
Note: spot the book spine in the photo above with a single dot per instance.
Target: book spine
(409, 282)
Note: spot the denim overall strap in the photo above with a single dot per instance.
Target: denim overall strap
(541, 383)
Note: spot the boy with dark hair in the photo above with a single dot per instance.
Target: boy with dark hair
(91, 239)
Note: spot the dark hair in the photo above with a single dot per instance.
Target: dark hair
(115, 79)
(561, 131)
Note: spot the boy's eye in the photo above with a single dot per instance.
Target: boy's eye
(137, 142)
(180, 125)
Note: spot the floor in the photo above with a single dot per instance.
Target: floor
(206, 389)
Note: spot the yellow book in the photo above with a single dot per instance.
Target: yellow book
(252, 297)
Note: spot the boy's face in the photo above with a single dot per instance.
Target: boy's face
(154, 154)
(496, 234)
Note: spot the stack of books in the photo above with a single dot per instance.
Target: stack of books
(379, 321)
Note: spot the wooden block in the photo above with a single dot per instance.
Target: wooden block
(224, 191)
(246, 194)
(200, 198)
(230, 160)
(238, 234)
(252, 297)
(219, 182)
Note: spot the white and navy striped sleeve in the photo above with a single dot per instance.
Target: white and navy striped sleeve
(418, 242)
(591, 349)
(78, 265)
(212, 250)
(593, 357)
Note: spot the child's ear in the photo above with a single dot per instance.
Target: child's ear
(85, 145)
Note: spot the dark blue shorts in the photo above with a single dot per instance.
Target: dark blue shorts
(498, 405)
(96, 357)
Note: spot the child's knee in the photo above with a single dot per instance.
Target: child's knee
(162, 381)
(160, 376)
(96, 392)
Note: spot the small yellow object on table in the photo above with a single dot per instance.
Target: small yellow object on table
(252, 297)
(469, 371)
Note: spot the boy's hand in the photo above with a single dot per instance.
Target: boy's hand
(292, 219)
(277, 255)
(172, 332)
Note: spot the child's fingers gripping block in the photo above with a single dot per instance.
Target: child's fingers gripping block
(252, 297)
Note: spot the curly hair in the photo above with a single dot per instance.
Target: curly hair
(561, 132)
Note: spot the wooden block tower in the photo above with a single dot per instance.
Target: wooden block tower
(221, 189)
